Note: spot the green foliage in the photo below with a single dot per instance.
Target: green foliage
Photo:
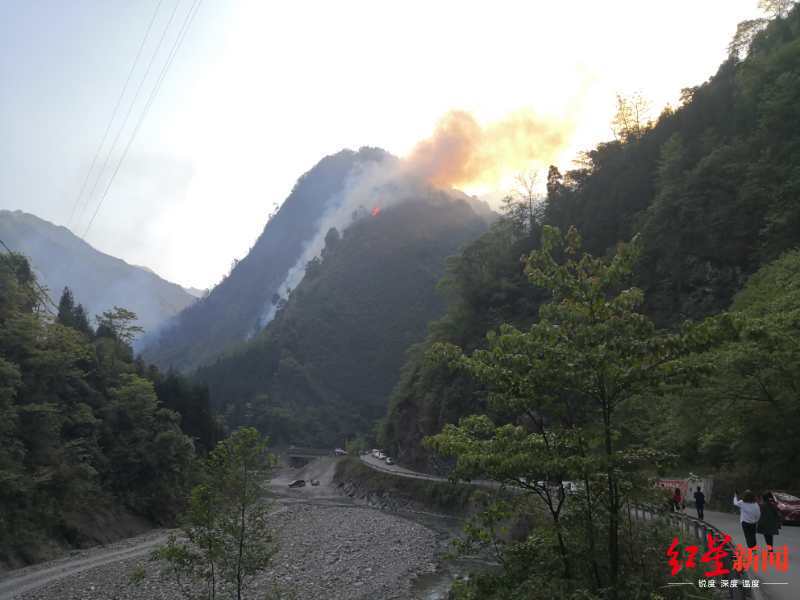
(712, 188)
(741, 411)
(486, 286)
(528, 572)
(119, 325)
(568, 389)
(234, 309)
(439, 495)
(80, 421)
(225, 537)
(319, 373)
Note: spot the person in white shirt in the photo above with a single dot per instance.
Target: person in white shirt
(750, 513)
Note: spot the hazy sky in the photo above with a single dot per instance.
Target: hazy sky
(261, 90)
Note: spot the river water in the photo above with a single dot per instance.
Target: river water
(449, 568)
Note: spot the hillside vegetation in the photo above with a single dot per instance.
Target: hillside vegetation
(83, 426)
(232, 311)
(712, 189)
(320, 372)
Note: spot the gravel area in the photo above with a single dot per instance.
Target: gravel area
(326, 552)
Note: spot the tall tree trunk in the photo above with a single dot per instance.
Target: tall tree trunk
(590, 532)
(613, 504)
(242, 531)
(562, 548)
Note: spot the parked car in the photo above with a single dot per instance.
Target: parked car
(788, 506)
(389, 460)
(340, 452)
(297, 483)
(315, 482)
(380, 456)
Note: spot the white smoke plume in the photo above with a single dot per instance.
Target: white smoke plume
(459, 152)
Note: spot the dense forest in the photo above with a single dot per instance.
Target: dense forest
(85, 428)
(711, 189)
(321, 370)
(642, 320)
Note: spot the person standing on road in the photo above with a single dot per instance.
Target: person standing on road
(770, 521)
(677, 500)
(750, 513)
(699, 502)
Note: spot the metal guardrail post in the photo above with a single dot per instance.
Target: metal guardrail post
(700, 530)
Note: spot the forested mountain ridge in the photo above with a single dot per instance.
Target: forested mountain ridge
(712, 189)
(232, 311)
(101, 281)
(321, 370)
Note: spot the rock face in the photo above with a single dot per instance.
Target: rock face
(326, 552)
(98, 281)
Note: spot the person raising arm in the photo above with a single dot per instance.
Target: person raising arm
(749, 514)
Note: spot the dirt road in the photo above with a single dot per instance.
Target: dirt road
(34, 577)
(329, 547)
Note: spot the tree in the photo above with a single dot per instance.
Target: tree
(66, 308)
(742, 412)
(76, 429)
(149, 455)
(776, 9)
(746, 31)
(226, 539)
(71, 315)
(632, 117)
(524, 205)
(118, 324)
(566, 388)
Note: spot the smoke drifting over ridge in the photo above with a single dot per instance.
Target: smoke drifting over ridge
(459, 152)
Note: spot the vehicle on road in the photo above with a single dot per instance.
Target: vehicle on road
(315, 482)
(788, 506)
(380, 456)
(389, 460)
(297, 483)
(340, 452)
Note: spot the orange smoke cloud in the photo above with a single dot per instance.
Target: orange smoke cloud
(461, 151)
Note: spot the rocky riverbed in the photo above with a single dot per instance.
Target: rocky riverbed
(326, 552)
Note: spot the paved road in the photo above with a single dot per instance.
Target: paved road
(380, 465)
(777, 586)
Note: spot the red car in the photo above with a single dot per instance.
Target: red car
(788, 506)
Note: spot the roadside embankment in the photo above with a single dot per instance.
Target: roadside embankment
(97, 524)
(390, 492)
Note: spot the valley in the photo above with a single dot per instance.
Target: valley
(330, 546)
(501, 364)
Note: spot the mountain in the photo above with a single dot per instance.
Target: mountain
(98, 281)
(234, 309)
(711, 189)
(322, 369)
(196, 292)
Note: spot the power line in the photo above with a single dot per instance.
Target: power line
(114, 113)
(42, 290)
(175, 47)
(131, 107)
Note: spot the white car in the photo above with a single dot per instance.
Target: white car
(389, 460)
(380, 456)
